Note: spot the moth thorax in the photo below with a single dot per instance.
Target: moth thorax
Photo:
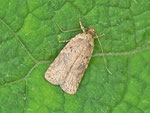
(91, 30)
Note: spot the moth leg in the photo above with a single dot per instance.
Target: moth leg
(83, 29)
(97, 36)
(66, 30)
(64, 41)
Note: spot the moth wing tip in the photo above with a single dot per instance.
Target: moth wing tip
(67, 90)
(49, 79)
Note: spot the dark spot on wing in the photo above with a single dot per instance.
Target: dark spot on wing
(71, 48)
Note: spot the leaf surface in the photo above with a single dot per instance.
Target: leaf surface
(29, 43)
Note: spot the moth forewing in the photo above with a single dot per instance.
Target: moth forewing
(58, 70)
(78, 68)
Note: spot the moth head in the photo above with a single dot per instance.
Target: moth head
(91, 30)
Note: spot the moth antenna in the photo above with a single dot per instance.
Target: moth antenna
(103, 53)
(83, 29)
(66, 30)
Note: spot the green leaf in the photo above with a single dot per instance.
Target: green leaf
(29, 43)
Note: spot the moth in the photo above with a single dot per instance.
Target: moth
(69, 66)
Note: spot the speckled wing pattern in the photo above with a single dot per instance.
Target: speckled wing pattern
(69, 66)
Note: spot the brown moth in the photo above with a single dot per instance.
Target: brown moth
(69, 66)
